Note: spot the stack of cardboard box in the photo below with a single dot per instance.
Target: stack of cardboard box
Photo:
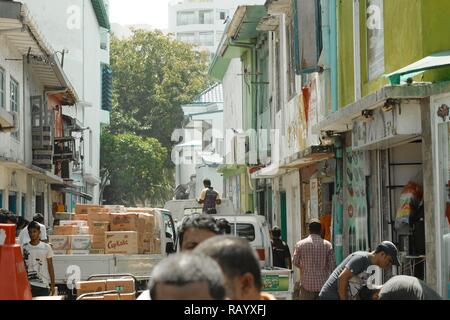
(71, 237)
(125, 288)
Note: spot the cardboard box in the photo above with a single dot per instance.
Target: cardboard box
(65, 230)
(64, 216)
(77, 223)
(81, 242)
(98, 242)
(124, 222)
(99, 227)
(121, 285)
(83, 208)
(148, 221)
(82, 217)
(59, 243)
(98, 217)
(124, 296)
(97, 251)
(78, 252)
(121, 242)
(84, 231)
(98, 210)
(115, 208)
(90, 286)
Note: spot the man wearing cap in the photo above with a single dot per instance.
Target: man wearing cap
(315, 258)
(354, 269)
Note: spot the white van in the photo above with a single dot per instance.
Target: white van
(255, 229)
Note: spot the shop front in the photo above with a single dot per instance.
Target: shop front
(441, 157)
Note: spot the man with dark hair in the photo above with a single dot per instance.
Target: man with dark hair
(25, 238)
(239, 264)
(314, 257)
(209, 197)
(38, 258)
(197, 228)
(187, 277)
(280, 249)
(352, 274)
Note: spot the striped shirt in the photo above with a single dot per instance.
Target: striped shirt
(315, 258)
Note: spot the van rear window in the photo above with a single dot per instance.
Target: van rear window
(244, 230)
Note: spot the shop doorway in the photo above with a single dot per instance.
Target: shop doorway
(403, 212)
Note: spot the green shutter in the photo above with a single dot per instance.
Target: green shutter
(106, 88)
(100, 12)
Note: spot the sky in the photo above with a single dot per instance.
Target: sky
(152, 12)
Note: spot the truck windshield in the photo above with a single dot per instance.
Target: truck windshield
(243, 230)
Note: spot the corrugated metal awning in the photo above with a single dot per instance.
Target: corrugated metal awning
(21, 31)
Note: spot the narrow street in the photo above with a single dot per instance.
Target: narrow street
(276, 149)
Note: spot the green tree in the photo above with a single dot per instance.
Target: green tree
(135, 168)
(153, 75)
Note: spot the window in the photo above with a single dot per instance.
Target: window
(243, 230)
(2, 89)
(375, 38)
(14, 88)
(186, 37)
(223, 14)
(186, 18)
(206, 17)
(206, 39)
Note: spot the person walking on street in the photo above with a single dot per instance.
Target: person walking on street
(314, 257)
(209, 197)
(280, 249)
(38, 258)
(352, 274)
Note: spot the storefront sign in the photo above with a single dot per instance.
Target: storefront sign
(381, 129)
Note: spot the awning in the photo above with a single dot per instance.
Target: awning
(308, 157)
(37, 172)
(434, 61)
(240, 33)
(272, 171)
(6, 120)
(75, 192)
(22, 32)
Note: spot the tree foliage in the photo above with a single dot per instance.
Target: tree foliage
(153, 75)
(136, 169)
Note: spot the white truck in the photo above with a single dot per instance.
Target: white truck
(72, 268)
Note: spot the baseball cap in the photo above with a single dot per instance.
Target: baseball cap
(314, 220)
(391, 250)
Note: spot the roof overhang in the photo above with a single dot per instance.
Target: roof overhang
(240, 35)
(308, 157)
(434, 61)
(101, 13)
(269, 172)
(31, 170)
(22, 32)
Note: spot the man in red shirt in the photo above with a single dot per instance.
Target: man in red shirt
(314, 257)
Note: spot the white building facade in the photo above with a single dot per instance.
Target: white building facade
(79, 29)
(202, 22)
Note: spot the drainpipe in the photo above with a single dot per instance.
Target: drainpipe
(338, 206)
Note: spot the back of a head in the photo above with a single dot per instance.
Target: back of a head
(188, 268)
(235, 256)
(207, 183)
(276, 233)
(315, 227)
(38, 218)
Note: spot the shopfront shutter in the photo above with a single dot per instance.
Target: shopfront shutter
(106, 88)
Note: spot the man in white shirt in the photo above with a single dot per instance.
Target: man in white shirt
(24, 236)
(38, 258)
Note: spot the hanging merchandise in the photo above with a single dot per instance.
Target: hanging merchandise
(410, 198)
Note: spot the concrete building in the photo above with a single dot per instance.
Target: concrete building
(79, 32)
(198, 155)
(33, 88)
(202, 23)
